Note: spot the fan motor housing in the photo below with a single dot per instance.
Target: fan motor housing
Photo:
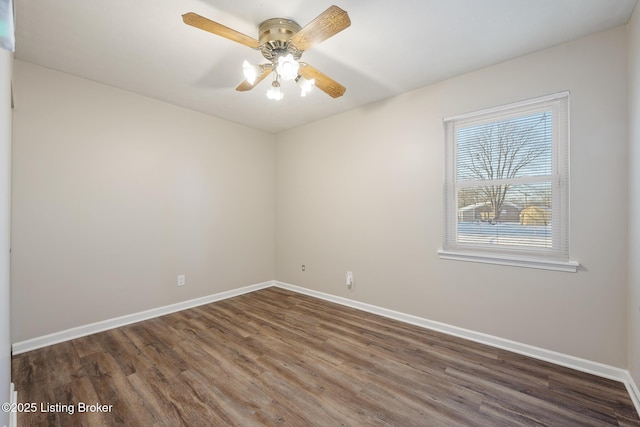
(274, 35)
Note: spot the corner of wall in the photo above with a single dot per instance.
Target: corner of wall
(6, 66)
(634, 198)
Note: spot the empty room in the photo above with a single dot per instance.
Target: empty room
(420, 213)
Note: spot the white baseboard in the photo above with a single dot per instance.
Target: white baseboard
(588, 366)
(92, 328)
(632, 388)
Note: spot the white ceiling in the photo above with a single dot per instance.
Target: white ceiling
(391, 47)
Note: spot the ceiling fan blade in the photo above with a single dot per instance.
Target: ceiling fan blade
(245, 85)
(328, 23)
(323, 82)
(205, 24)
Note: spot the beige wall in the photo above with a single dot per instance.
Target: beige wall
(115, 195)
(634, 196)
(363, 191)
(6, 60)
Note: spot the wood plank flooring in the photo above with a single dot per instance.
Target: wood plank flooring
(274, 357)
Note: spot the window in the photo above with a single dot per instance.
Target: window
(507, 185)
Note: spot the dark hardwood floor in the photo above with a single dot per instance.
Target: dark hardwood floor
(274, 357)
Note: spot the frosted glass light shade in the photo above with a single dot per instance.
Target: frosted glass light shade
(274, 93)
(287, 67)
(250, 71)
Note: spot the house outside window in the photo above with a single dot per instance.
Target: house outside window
(507, 185)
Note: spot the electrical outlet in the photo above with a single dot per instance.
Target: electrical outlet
(181, 280)
(303, 267)
(349, 279)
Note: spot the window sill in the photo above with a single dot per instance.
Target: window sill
(527, 262)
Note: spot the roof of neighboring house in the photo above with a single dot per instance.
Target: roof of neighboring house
(480, 205)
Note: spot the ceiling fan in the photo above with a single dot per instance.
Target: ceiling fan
(282, 42)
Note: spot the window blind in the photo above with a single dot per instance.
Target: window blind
(507, 179)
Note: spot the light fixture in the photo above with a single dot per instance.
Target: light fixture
(305, 85)
(250, 71)
(287, 67)
(284, 67)
(274, 92)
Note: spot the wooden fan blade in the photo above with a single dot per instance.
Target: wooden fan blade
(323, 82)
(328, 23)
(245, 85)
(205, 24)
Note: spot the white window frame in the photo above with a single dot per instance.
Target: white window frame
(555, 258)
